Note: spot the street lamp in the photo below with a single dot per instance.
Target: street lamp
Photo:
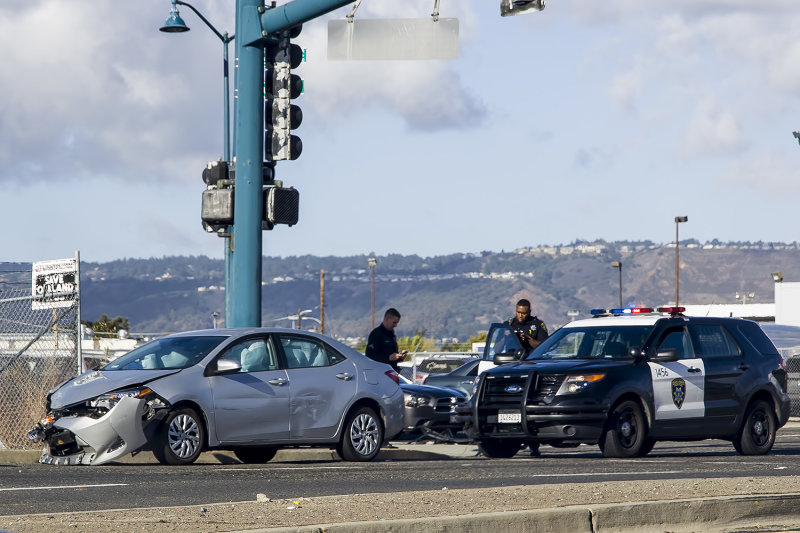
(372, 262)
(214, 317)
(618, 264)
(777, 277)
(678, 220)
(744, 296)
(175, 24)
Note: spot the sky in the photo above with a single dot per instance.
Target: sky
(588, 120)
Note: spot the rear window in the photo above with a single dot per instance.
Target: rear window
(757, 337)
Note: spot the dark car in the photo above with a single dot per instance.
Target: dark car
(631, 377)
(431, 411)
(460, 379)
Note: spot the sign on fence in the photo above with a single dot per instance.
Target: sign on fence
(53, 283)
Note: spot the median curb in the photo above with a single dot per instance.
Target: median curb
(702, 514)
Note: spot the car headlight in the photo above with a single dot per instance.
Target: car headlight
(578, 383)
(110, 399)
(417, 400)
(476, 383)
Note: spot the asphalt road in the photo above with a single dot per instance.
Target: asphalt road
(35, 488)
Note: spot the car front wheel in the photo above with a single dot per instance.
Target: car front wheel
(362, 436)
(757, 434)
(626, 431)
(180, 438)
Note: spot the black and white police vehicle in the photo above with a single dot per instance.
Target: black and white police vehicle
(630, 377)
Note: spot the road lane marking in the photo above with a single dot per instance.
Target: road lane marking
(65, 487)
(290, 468)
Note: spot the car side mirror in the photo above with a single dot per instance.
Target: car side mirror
(666, 355)
(507, 357)
(227, 366)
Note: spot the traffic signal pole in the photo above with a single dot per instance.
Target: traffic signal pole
(254, 24)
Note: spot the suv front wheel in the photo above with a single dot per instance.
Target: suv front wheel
(500, 448)
(626, 432)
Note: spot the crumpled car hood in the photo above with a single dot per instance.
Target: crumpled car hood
(91, 384)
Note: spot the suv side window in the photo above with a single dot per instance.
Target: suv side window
(713, 341)
(677, 338)
(757, 337)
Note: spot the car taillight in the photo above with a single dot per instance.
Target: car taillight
(425, 381)
(394, 376)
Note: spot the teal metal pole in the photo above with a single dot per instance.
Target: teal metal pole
(297, 12)
(246, 256)
(253, 25)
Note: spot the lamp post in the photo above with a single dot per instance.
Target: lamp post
(618, 265)
(777, 277)
(214, 317)
(372, 262)
(678, 220)
(743, 296)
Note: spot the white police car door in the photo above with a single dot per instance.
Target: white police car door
(678, 386)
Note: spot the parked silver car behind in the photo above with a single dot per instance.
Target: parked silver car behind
(252, 391)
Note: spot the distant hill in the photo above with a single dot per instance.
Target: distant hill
(451, 296)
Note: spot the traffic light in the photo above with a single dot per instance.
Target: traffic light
(281, 206)
(280, 87)
(216, 211)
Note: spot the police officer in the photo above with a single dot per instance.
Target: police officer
(530, 330)
(382, 342)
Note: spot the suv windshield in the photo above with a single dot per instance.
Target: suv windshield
(606, 342)
(170, 352)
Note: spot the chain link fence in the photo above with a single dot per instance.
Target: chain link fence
(38, 350)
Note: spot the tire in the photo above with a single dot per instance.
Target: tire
(647, 447)
(626, 432)
(757, 434)
(362, 436)
(499, 448)
(257, 455)
(180, 439)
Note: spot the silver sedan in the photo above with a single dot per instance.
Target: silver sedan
(252, 391)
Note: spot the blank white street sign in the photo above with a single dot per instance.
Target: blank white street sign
(376, 39)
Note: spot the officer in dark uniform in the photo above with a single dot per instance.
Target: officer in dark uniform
(530, 330)
(382, 342)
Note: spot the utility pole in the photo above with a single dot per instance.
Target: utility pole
(322, 301)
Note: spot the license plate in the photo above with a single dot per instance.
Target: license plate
(509, 416)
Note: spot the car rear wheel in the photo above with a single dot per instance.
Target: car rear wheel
(180, 438)
(255, 454)
(757, 434)
(500, 448)
(362, 436)
(626, 431)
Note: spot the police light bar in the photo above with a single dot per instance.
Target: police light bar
(632, 311)
(671, 310)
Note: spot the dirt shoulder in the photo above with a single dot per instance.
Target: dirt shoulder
(300, 511)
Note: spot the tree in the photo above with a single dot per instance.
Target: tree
(106, 326)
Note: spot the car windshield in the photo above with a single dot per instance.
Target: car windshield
(167, 353)
(606, 342)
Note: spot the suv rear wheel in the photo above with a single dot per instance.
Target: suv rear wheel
(626, 431)
(757, 434)
(500, 448)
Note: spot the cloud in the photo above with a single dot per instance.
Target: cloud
(713, 131)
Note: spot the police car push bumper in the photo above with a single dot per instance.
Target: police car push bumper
(101, 440)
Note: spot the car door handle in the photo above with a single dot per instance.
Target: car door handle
(743, 366)
(280, 382)
(345, 376)
(694, 370)
(467, 382)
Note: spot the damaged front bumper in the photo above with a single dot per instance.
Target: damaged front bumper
(85, 440)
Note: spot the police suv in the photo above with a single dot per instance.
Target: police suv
(627, 378)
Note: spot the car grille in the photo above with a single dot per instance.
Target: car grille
(450, 404)
(513, 392)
